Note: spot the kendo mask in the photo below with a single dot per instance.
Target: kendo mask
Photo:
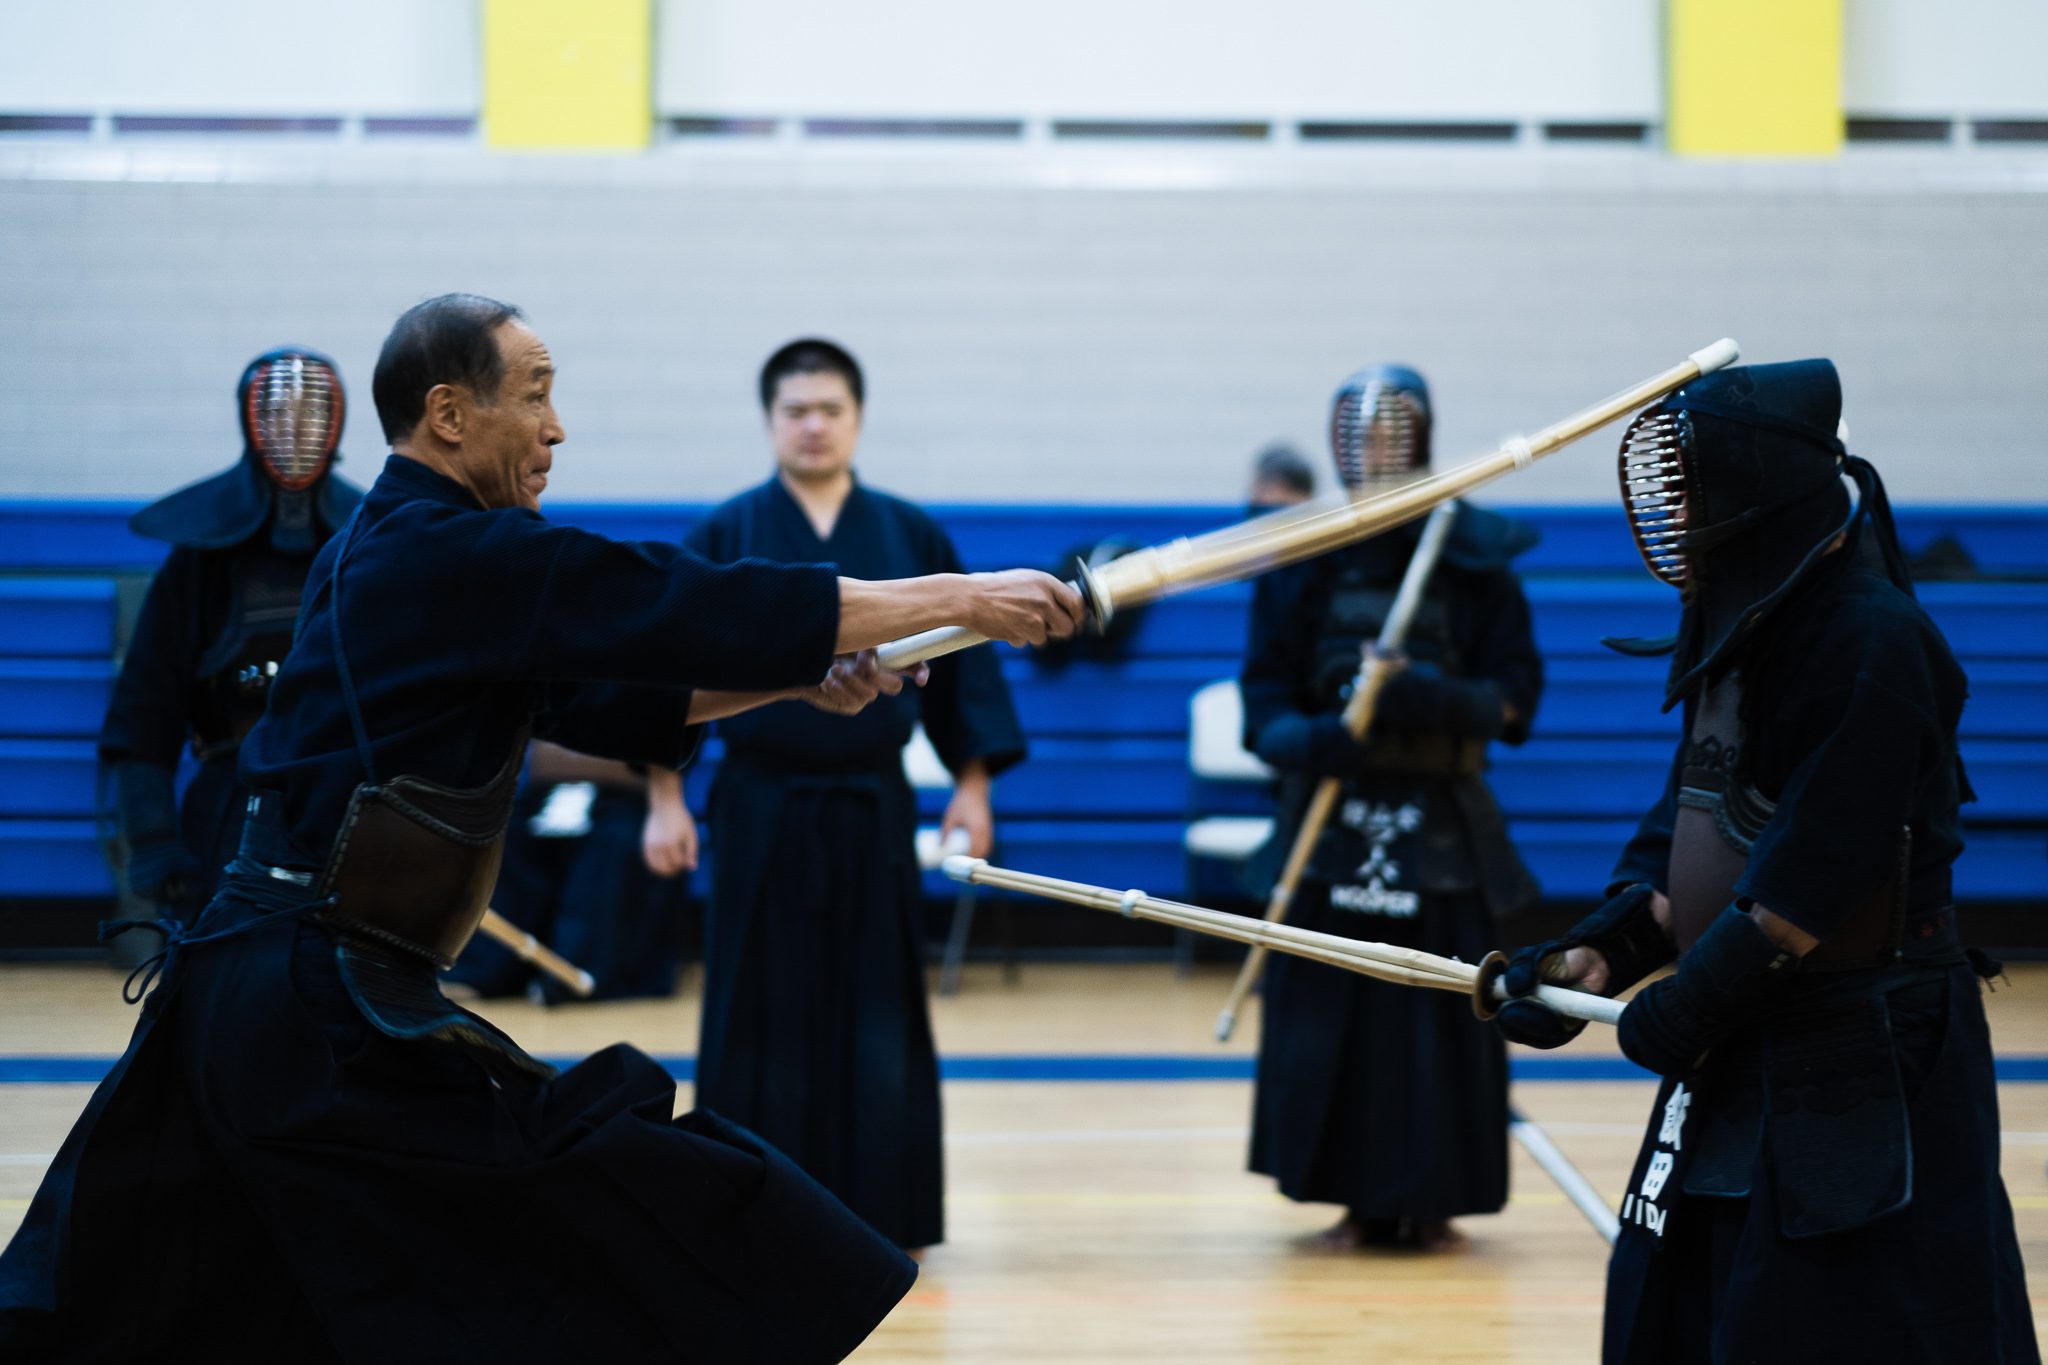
(1734, 492)
(292, 410)
(284, 487)
(1379, 426)
(292, 407)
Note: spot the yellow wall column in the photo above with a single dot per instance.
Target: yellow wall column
(1754, 77)
(568, 74)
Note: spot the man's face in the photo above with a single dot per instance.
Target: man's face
(815, 425)
(508, 446)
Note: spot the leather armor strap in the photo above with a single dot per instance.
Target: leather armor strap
(414, 863)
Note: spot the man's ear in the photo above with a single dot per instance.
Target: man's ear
(447, 413)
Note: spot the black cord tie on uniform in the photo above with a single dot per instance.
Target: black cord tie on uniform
(150, 967)
(163, 959)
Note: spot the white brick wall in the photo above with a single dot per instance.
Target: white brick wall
(1032, 345)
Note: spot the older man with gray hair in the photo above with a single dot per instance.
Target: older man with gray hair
(317, 1154)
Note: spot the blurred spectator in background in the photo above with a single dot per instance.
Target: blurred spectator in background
(593, 870)
(217, 622)
(816, 1034)
(1281, 477)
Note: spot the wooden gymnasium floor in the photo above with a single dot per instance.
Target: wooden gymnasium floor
(1113, 1220)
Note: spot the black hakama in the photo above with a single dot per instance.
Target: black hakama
(305, 1188)
(1376, 1096)
(815, 1031)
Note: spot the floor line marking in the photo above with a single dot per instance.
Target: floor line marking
(1162, 1200)
(1054, 1136)
(62, 1068)
(948, 1296)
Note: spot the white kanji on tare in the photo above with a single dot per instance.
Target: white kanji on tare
(1640, 1206)
(1381, 823)
(1674, 1117)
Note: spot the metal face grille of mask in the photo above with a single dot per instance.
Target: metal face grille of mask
(295, 411)
(1376, 433)
(1654, 490)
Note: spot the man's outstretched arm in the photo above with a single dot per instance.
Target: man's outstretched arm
(1019, 607)
(853, 681)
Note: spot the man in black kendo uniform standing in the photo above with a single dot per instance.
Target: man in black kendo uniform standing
(322, 1158)
(217, 622)
(1819, 1180)
(1387, 1100)
(816, 1033)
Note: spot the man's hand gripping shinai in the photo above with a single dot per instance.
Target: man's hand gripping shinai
(1020, 606)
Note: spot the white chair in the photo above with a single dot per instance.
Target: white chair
(924, 771)
(1216, 753)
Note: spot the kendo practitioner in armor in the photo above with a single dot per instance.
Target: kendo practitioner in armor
(815, 1030)
(217, 622)
(1819, 1179)
(1390, 1101)
(307, 1153)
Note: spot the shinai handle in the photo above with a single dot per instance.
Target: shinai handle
(531, 949)
(913, 650)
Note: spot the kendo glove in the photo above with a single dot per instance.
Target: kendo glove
(1624, 932)
(1319, 745)
(162, 871)
(1724, 981)
(1419, 698)
(159, 867)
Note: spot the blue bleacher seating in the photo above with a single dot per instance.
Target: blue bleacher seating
(52, 858)
(54, 697)
(1104, 797)
(49, 779)
(56, 616)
